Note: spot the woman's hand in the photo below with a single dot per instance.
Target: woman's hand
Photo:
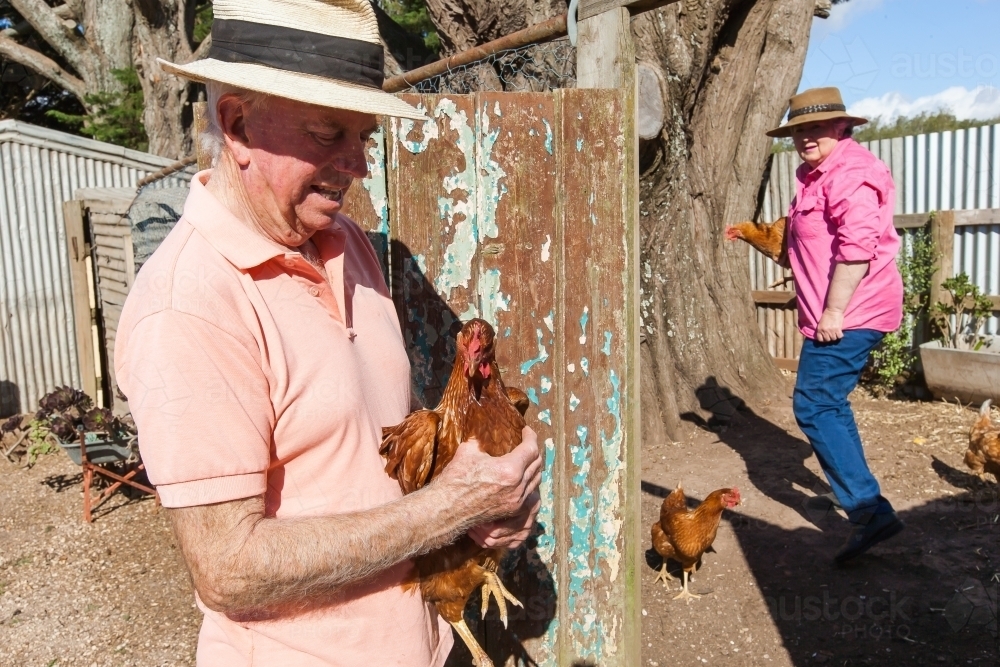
(830, 327)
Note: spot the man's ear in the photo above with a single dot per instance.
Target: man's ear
(232, 118)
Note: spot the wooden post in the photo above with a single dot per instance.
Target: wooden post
(943, 237)
(606, 59)
(79, 252)
(200, 110)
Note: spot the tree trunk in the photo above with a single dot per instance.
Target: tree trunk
(727, 70)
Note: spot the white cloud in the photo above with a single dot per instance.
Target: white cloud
(979, 103)
(841, 16)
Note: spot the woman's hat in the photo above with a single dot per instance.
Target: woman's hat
(323, 52)
(814, 105)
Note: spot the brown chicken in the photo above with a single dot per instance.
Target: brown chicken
(768, 239)
(475, 405)
(984, 446)
(684, 535)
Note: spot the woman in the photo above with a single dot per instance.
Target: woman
(842, 250)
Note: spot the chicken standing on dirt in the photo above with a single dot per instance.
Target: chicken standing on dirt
(475, 406)
(983, 455)
(684, 535)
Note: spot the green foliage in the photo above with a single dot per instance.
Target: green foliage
(894, 359)
(40, 440)
(960, 318)
(413, 17)
(924, 123)
(115, 117)
(202, 21)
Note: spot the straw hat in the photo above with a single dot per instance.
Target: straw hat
(323, 52)
(814, 105)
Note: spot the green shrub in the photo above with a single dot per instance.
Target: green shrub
(115, 117)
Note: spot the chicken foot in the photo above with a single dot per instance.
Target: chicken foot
(685, 594)
(479, 656)
(495, 587)
(665, 576)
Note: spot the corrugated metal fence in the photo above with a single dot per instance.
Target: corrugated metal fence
(955, 170)
(39, 170)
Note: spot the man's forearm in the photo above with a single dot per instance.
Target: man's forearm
(846, 278)
(243, 564)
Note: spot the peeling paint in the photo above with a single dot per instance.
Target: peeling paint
(548, 136)
(581, 529)
(545, 384)
(545, 546)
(583, 325)
(456, 269)
(550, 321)
(494, 300)
(574, 402)
(571, 367)
(545, 247)
(374, 183)
(491, 190)
(606, 348)
(543, 354)
(430, 131)
(545, 416)
(506, 332)
(532, 395)
(585, 365)
(579, 145)
(609, 519)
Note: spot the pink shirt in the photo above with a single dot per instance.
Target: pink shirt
(248, 375)
(842, 212)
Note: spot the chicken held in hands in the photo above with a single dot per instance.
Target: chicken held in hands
(684, 535)
(475, 406)
(983, 455)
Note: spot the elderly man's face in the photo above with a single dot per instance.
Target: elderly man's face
(815, 141)
(301, 161)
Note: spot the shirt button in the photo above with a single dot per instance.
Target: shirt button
(314, 291)
(289, 262)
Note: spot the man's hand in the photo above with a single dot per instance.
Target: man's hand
(511, 533)
(830, 327)
(492, 488)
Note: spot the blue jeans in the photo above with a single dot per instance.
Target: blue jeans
(828, 372)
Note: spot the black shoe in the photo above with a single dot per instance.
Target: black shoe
(877, 528)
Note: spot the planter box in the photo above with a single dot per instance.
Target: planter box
(962, 374)
(100, 449)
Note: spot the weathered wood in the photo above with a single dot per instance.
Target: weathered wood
(200, 124)
(943, 237)
(774, 297)
(787, 364)
(605, 52)
(910, 220)
(79, 254)
(977, 216)
(590, 8)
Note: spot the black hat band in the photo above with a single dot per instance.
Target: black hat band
(298, 51)
(815, 108)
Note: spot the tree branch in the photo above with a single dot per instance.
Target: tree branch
(42, 65)
(49, 26)
(202, 50)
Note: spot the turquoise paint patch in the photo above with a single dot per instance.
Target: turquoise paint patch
(430, 131)
(550, 321)
(506, 332)
(543, 355)
(545, 416)
(585, 365)
(587, 637)
(544, 553)
(606, 348)
(579, 145)
(456, 269)
(609, 522)
(494, 300)
(374, 183)
(546, 384)
(574, 402)
(548, 136)
(532, 395)
(583, 325)
(490, 190)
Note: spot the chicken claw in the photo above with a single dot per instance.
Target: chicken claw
(495, 587)
(479, 656)
(686, 594)
(665, 576)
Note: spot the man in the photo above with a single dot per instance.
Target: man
(842, 250)
(261, 355)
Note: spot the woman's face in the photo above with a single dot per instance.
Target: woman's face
(815, 141)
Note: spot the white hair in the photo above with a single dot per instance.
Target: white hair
(212, 139)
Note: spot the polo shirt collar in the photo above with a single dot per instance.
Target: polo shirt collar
(240, 244)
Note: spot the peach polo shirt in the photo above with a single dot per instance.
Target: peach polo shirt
(248, 375)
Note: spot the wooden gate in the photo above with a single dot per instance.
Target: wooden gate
(521, 208)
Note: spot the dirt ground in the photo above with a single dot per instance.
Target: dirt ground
(115, 592)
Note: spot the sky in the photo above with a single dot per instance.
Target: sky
(904, 57)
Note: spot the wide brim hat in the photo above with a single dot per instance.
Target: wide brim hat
(812, 106)
(322, 52)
